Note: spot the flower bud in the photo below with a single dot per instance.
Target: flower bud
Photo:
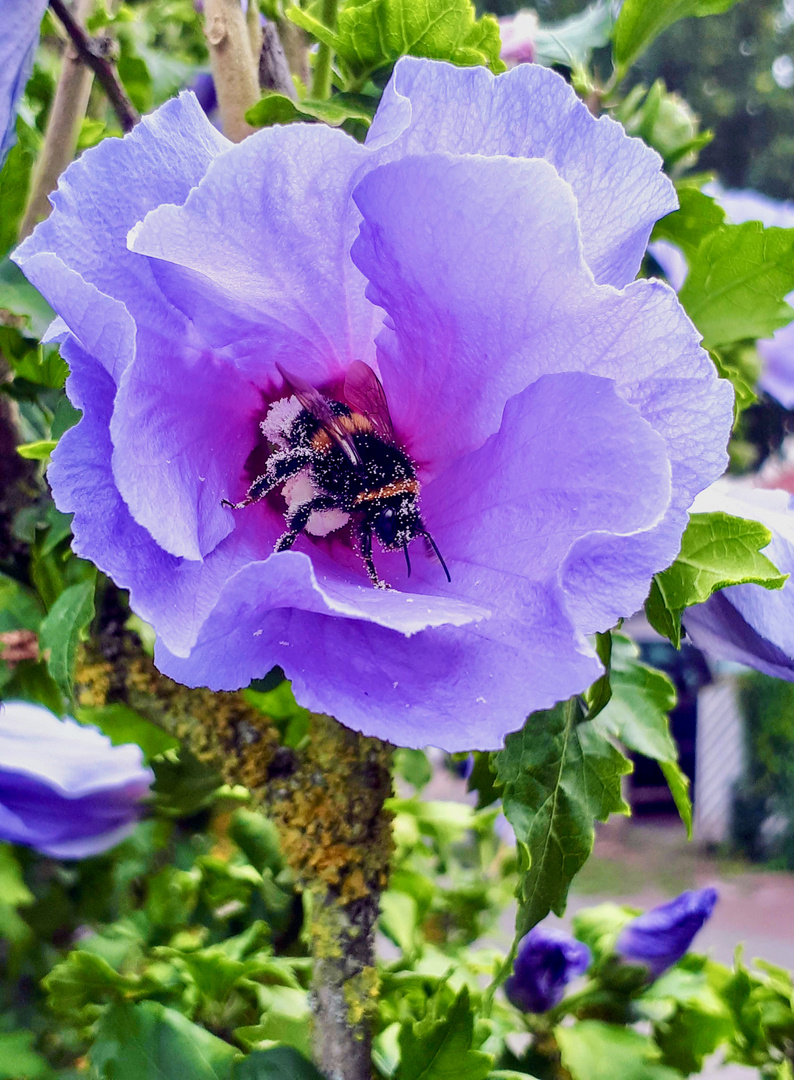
(547, 961)
(65, 790)
(660, 937)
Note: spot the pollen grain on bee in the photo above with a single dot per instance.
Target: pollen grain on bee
(399, 487)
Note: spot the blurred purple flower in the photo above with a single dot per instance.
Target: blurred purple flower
(777, 353)
(479, 251)
(518, 37)
(660, 937)
(64, 789)
(20, 20)
(547, 961)
(749, 624)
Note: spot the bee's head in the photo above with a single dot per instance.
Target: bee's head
(396, 522)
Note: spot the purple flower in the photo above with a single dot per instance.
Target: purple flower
(64, 789)
(748, 623)
(203, 86)
(659, 938)
(518, 34)
(20, 21)
(479, 251)
(547, 961)
(777, 353)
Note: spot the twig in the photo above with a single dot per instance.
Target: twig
(274, 73)
(63, 128)
(254, 22)
(232, 65)
(95, 58)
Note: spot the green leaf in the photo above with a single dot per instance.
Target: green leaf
(279, 1063)
(148, 1040)
(82, 982)
(717, 551)
(371, 34)
(18, 296)
(439, 1047)
(592, 1050)
(18, 1059)
(697, 216)
(279, 109)
(37, 451)
(61, 630)
(571, 42)
(14, 894)
(559, 775)
(20, 608)
(257, 837)
(123, 725)
(14, 184)
(640, 21)
(737, 283)
(637, 714)
(741, 365)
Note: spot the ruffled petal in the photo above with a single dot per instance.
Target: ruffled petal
(455, 348)
(258, 256)
(531, 112)
(99, 198)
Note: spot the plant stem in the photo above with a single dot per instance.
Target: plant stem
(94, 55)
(63, 128)
(232, 64)
(321, 83)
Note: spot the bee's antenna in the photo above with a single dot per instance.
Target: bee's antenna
(407, 559)
(439, 556)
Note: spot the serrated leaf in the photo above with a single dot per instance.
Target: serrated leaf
(738, 280)
(279, 1063)
(592, 1050)
(640, 21)
(279, 109)
(123, 725)
(148, 1040)
(717, 551)
(61, 630)
(559, 775)
(440, 1047)
(697, 216)
(370, 34)
(638, 715)
(84, 981)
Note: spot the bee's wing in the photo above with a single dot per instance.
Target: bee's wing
(364, 394)
(314, 402)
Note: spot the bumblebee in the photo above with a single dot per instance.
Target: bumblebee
(348, 453)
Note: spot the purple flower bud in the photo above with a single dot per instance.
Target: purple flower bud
(659, 938)
(547, 961)
(18, 41)
(64, 788)
(203, 86)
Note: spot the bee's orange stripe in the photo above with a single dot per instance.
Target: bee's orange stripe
(400, 487)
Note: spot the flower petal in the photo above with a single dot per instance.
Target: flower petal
(454, 349)
(258, 256)
(531, 112)
(20, 22)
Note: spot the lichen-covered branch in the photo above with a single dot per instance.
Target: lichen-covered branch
(326, 799)
(232, 63)
(336, 836)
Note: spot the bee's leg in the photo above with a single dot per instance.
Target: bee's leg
(299, 519)
(279, 468)
(365, 539)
